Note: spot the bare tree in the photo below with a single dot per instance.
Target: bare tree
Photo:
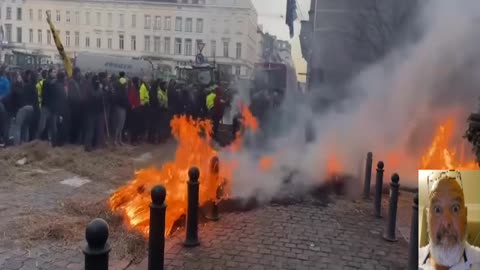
(377, 26)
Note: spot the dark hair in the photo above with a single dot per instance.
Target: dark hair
(44, 74)
(61, 76)
(121, 74)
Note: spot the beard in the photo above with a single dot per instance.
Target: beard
(448, 250)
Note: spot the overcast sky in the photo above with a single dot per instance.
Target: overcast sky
(271, 14)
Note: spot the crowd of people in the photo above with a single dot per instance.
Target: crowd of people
(95, 110)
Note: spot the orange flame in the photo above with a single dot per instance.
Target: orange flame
(441, 155)
(334, 166)
(266, 163)
(194, 149)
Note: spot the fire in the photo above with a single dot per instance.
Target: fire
(266, 163)
(334, 166)
(441, 155)
(194, 149)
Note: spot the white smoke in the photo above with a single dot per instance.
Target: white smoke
(394, 105)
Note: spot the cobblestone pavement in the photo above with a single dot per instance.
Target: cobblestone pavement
(343, 235)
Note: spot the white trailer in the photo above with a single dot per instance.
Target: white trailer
(92, 62)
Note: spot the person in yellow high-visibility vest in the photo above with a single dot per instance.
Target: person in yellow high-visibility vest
(144, 97)
(144, 106)
(162, 95)
(215, 108)
(39, 87)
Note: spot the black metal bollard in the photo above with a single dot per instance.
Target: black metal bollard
(214, 171)
(97, 249)
(156, 241)
(368, 175)
(392, 209)
(413, 246)
(192, 212)
(378, 190)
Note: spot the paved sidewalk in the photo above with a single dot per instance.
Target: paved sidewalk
(310, 235)
(343, 235)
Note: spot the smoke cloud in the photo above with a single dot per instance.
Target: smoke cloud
(393, 106)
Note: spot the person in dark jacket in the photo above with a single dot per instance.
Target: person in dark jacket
(20, 108)
(134, 117)
(76, 102)
(95, 114)
(120, 107)
(58, 105)
(31, 94)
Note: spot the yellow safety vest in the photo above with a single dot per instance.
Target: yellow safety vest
(39, 87)
(122, 81)
(211, 100)
(162, 98)
(144, 98)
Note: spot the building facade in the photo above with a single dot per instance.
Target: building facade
(165, 32)
(342, 36)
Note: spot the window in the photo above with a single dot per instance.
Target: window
(19, 14)
(87, 18)
(178, 46)
(30, 35)
(8, 32)
(213, 48)
(199, 25)
(109, 43)
(225, 48)
(166, 46)
(99, 19)
(99, 43)
(77, 39)
(156, 44)
(109, 19)
(147, 22)
(77, 17)
(30, 14)
(147, 43)
(133, 43)
(87, 42)
(134, 20)
(178, 24)
(49, 37)
(237, 70)
(188, 47)
(121, 19)
(40, 15)
(158, 23)
(19, 35)
(168, 24)
(9, 13)
(67, 38)
(67, 16)
(121, 42)
(39, 36)
(58, 17)
(188, 25)
(239, 50)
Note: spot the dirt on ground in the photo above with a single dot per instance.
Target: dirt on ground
(34, 169)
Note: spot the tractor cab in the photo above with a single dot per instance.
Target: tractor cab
(196, 75)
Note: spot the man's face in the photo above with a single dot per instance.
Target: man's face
(447, 217)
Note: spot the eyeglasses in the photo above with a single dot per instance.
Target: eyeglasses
(437, 175)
